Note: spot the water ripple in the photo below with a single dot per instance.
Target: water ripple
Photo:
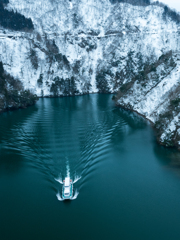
(51, 137)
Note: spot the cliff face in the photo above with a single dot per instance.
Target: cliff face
(12, 93)
(87, 46)
(155, 94)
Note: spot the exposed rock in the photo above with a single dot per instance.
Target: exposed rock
(100, 43)
(155, 94)
(12, 93)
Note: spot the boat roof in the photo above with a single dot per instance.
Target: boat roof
(67, 181)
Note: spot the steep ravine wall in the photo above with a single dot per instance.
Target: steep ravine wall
(85, 46)
(155, 94)
(12, 93)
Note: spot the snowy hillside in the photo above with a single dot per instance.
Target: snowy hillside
(88, 46)
(85, 46)
(155, 94)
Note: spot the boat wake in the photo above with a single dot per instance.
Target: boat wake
(59, 180)
(76, 179)
(75, 195)
(58, 195)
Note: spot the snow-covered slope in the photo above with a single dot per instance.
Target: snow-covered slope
(84, 44)
(155, 94)
(88, 46)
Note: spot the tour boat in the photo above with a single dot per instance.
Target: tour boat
(67, 189)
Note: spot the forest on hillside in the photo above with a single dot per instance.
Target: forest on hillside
(167, 11)
(13, 20)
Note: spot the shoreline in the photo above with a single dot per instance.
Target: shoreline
(152, 125)
(13, 108)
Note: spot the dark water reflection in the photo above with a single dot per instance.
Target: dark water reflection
(128, 186)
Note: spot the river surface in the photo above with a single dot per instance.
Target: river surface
(125, 184)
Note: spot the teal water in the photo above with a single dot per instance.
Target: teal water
(127, 187)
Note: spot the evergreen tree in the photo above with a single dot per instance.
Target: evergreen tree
(13, 20)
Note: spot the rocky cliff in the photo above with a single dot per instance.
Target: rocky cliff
(12, 93)
(86, 46)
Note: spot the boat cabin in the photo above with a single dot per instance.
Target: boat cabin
(67, 182)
